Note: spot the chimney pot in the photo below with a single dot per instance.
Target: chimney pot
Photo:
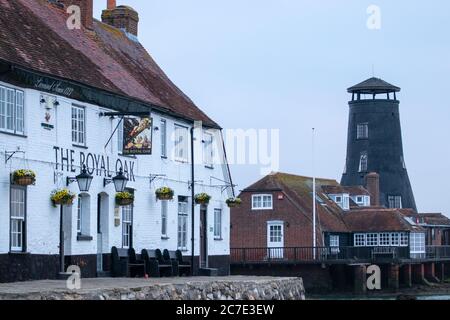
(121, 17)
(111, 4)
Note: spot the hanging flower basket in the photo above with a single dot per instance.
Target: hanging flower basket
(202, 198)
(233, 202)
(164, 193)
(124, 199)
(24, 177)
(62, 197)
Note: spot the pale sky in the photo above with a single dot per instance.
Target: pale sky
(286, 64)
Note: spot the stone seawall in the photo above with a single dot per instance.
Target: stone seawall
(225, 288)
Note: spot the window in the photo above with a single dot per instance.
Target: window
(182, 223)
(83, 211)
(78, 125)
(395, 202)
(163, 138)
(404, 241)
(275, 234)
(360, 240)
(372, 239)
(12, 113)
(417, 244)
(217, 223)
(395, 239)
(360, 200)
(127, 223)
(385, 239)
(362, 131)
(164, 205)
(262, 202)
(120, 137)
(208, 150)
(181, 143)
(18, 215)
(363, 162)
(338, 199)
(334, 244)
(346, 203)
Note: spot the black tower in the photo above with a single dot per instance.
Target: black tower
(375, 143)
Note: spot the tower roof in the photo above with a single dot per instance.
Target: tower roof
(373, 85)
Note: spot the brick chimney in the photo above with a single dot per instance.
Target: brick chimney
(373, 186)
(121, 17)
(86, 8)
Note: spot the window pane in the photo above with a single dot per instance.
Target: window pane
(163, 138)
(20, 123)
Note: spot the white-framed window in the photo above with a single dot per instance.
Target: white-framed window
(208, 150)
(83, 214)
(78, 125)
(338, 199)
(164, 211)
(181, 143)
(417, 244)
(182, 223)
(359, 199)
(404, 240)
(163, 131)
(395, 239)
(262, 202)
(120, 136)
(360, 240)
(385, 239)
(363, 161)
(18, 216)
(362, 131)
(127, 223)
(218, 223)
(372, 240)
(12, 110)
(395, 202)
(276, 233)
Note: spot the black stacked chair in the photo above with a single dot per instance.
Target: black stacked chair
(155, 260)
(124, 263)
(170, 256)
(183, 266)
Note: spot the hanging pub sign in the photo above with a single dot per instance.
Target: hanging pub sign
(137, 135)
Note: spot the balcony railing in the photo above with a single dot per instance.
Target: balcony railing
(330, 254)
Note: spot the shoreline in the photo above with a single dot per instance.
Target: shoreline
(435, 289)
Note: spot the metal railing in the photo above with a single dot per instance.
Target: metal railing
(330, 254)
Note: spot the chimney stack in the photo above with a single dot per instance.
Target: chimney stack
(86, 8)
(121, 17)
(373, 186)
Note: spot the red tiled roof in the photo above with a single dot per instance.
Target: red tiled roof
(430, 219)
(378, 219)
(351, 190)
(33, 34)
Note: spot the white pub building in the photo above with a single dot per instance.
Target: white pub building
(65, 95)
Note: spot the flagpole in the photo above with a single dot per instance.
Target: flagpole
(314, 195)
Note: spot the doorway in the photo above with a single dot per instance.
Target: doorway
(275, 239)
(203, 237)
(102, 228)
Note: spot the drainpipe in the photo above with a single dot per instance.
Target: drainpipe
(61, 240)
(192, 201)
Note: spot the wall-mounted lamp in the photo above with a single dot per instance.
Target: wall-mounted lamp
(120, 182)
(84, 180)
(156, 128)
(56, 103)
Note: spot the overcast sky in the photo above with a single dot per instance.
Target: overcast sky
(286, 64)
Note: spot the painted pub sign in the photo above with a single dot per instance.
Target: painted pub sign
(137, 135)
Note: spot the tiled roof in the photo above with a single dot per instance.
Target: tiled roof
(351, 190)
(378, 220)
(299, 190)
(33, 35)
(430, 219)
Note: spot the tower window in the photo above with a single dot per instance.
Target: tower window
(363, 162)
(362, 131)
(395, 202)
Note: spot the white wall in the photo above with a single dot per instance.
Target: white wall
(43, 219)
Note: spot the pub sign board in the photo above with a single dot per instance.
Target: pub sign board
(137, 135)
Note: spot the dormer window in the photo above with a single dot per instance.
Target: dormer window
(342, 200)
(395, 202)
(360, 200)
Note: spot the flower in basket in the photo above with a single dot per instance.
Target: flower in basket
(202, 198)
(24, 177)
(124, 198)
(164, 193)
(62, 197)
(233, 202)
